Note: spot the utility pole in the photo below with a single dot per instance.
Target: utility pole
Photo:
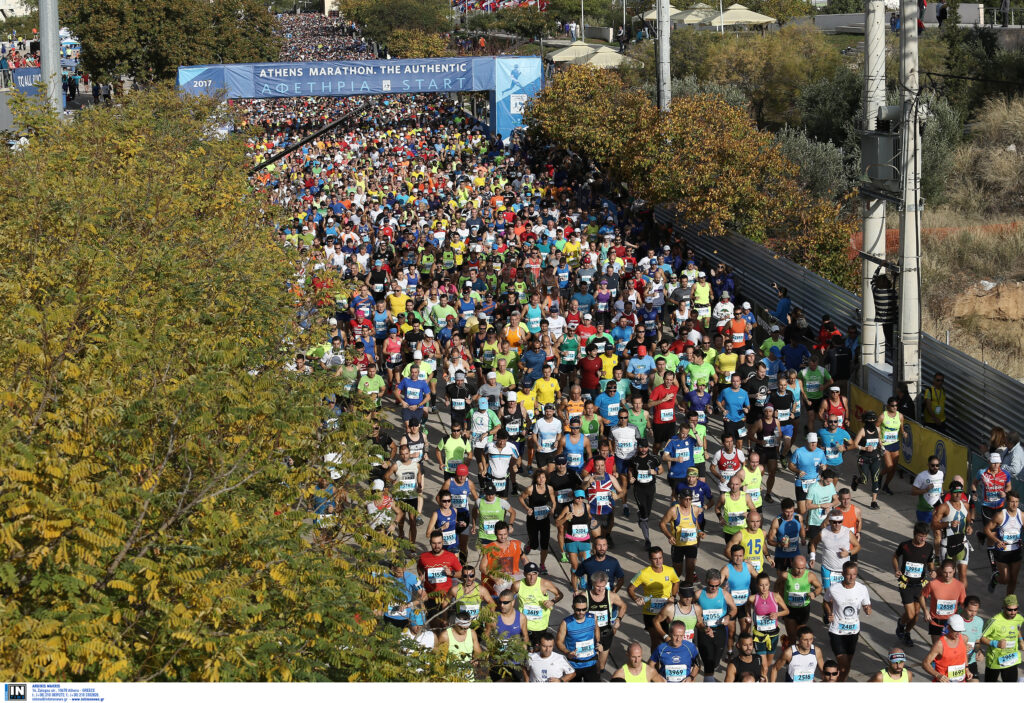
(49, 54)
(912, 205)
(872, 341)
(664, 68)
(583, 30)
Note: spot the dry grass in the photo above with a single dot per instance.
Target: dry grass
(988, 172)
(958, 251)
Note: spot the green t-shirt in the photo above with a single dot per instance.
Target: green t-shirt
(698, 453)
(1002, 628)
(815, 382)
(440, 313)
(671, 361)
(698, 374)
(372, 386)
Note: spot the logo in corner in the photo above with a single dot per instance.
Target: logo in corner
(16, 692)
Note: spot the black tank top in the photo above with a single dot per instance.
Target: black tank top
(870, 433)
(602, 609)
(753, 667)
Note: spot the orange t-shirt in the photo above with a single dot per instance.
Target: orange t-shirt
(944, 599)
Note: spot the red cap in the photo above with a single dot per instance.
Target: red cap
(462, 470)
(641, 350)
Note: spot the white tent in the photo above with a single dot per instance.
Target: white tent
(576, 50)
(736, 15)
(652, 15)
(603, 57)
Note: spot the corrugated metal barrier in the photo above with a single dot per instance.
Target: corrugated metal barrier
(978, 396)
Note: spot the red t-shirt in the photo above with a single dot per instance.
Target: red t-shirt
(432, 568)
(590, 372)
(665, 402)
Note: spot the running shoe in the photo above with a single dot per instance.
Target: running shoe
(888, 491)
(992, 584)
(874, 505)
(625, 511)
(565, 558)
(855, 483)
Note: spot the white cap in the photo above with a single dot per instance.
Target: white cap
(377, 485)
(701, 274)
(837, 389)
(775, 328)
(333, 321)
(667, 248)
(429, 333)
(417, 355)
(588, 316)
(812, 437)
(491, 374)
(511, 396)
(746, 305)
(995, 458)
(956, 623)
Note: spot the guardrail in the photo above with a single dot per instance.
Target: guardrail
(979, 397)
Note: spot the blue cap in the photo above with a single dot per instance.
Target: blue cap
(378, 262)
(579, 494)
(483, 403)
(393, 330)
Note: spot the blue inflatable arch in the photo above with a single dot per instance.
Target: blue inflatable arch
(510, 80)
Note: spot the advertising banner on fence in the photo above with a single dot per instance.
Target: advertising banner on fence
(920, 442)
(510, 80)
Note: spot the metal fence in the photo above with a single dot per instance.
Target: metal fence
(978, 396)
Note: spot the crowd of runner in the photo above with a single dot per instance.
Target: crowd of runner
(577, 367)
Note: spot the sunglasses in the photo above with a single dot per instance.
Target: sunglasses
(579, 610)
(505, 602)
(830, 673)
(443, 501)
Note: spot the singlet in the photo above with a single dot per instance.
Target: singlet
(739, 584)
(830, 545)
(838, 410)
(768, 436)
(461, 652)
(752, 667)
(541, 504)
(752, 485)
(802, 666)
(753, 548)
(849, 517)
(890, 428)
(1009, 531)
(416, 446)
(471, 603)
(639, 421)
(870, 442)
(728, 466)
(579, 638)
(766, 610)
(886, 678)
(601, 610)
(787, 537)
(689, 619)
(574, 409)
(460, 494)
(713, 607)
(798, 590)
(951, 661)
(685, 528)
(959, 534)
(635, 678)
(577, 528)
(491, 513)
(734, 512)
(534, 315)
(448, 529)
(530, 605)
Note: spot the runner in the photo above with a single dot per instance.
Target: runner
(643, 471)
(676, 659)
(636, 670)
(652, 588)
(681, 525)
(745, 666)
(800, 660)
(437, 570)
(952, 525)
(786, 534)
(895, 670)
(535, 598)
(469, 596)
(461, 647)
(733, 508)
(408, 481)
(462, 493)
(927, 486)
(683, 609)
(798, 586)
(600, 562)
(1004, 532)
(738, 577)
(843, 603)
(869, 459)
(574, 523)
(947, 660)
(836, 545)
(500, 464)
(500, 560)
(546, 665)
(1003, 638)
(489, 511)
(753, 541)
(912, 562)
(608, 610)
(603, 487)
(894, 431)
(538, 501)
(766, 608)
(718, 610)
(942, 597)
(579, 639)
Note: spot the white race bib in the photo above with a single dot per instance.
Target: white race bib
(676, 672)
(784, 415)
(945, 607)
(666, 414)
(436, 574)
(533, 612)
(712, 616)
(740, 597)
(766, 623)
(585, 649)
(449, 538)
(913, 569)
(580, 532)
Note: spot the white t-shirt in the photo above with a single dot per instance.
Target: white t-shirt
(846, 605)
(556, 666)
(556, 325)
(933, 484)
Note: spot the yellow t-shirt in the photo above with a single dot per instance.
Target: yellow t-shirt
(656, 587)
(397, 303)
(505, 378)
(545, 390)
(527, 401)
(608, 364)
(725, 363)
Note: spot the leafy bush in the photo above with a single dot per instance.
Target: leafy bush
(823, 168)
(986, 175)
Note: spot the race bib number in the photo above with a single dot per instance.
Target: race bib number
(489, 526)
(1011, 540)
(687, 535)
(472, 609)
(458, 403)
(513, 428)
(769, 441)
(957, 672)
(533, 612)
(574, 459)
(449, 537)
(500, 484)
(613, 408)
(803, 677)
(541, 512)
(890, 436)
(547, 444)
(1010, 659)
(601, 616)
(766, 623)
(643, 476)
(460, 501)
(945, 607)
(702, 417)
(395, 358)
(849, 628)
(737, 519)
(796, 599)
(564, 495)
(740, 597)
(412, 393)
(682, 454)
(603, 500)
(832, 452)
(713, 616)
(585, 649)
(813, 386)
(436, 574)
(755, 494)
(666, 415)
(580, 532)
(568, 356)
(913, 570)
(407, 486)
(784, 415)
(676, 672)
(741, 432)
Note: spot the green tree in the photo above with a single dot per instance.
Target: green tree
(829, 106)
(414, 43)
(823, 168)
(380, 18)
(940, 139)
(159, 459)
(782, 10)
(148, 41)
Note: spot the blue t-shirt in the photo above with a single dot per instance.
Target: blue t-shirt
(808, 462)
(638, 364)
(609, 565)
(832, 443)
(408, 585)
(734, 400)
(534, 361)
(793, 355)
(608, 406)
(681, 450)
(586, 300)
(675, 663)
(414, 392)
(699, 404)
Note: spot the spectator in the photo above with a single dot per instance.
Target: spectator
(933, 404)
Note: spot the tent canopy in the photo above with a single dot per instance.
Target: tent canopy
(738, 15)
(652, 15)
(576, 50)
(603, 59)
